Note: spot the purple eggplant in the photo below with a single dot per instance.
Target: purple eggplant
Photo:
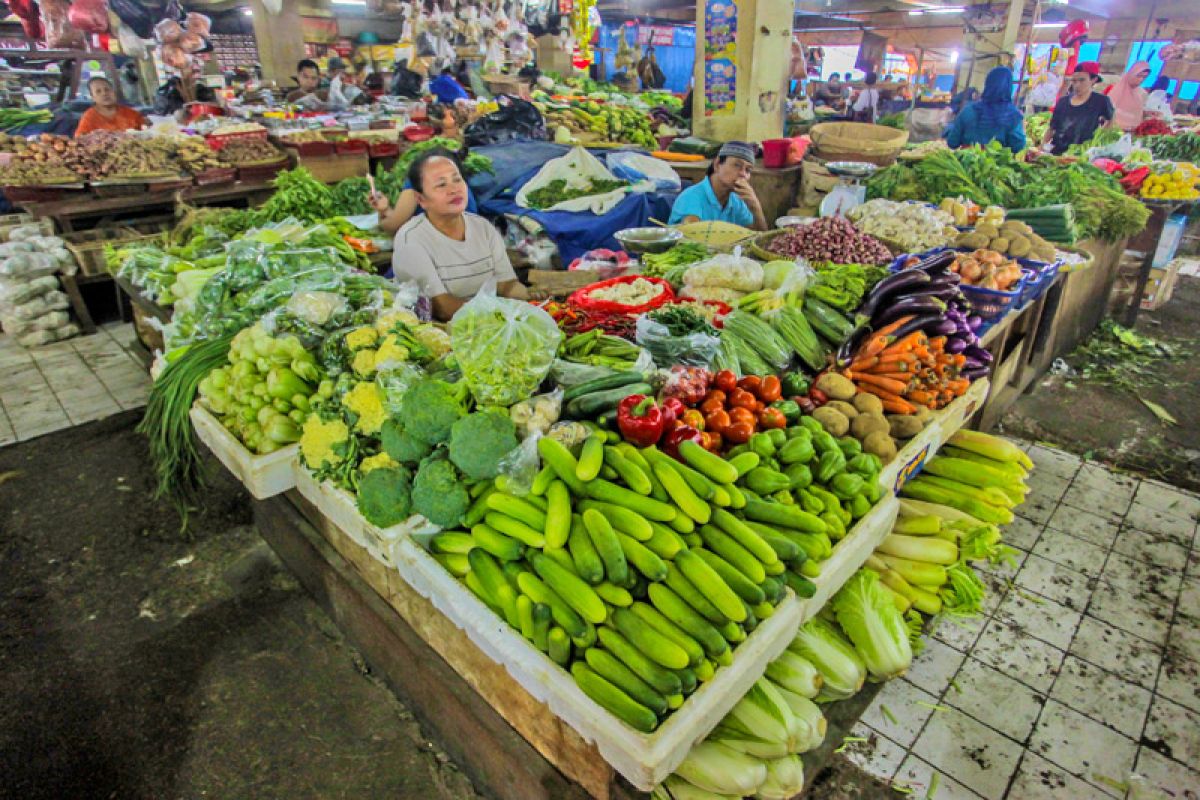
(979, 354)
(975, 373)
(939, 260)
(917, 323)
(975, 322)
(906, 306)
(956, 345)
(943, 327)
(845, 353)
(896, 282)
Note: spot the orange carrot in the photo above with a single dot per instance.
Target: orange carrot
(898, 406)
(895, 326)
(874, 346)
(864, 363)
(907, 343)
(887, 384)
(924, 398)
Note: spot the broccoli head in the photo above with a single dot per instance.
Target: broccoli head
(438, 493)
(430, 408)
(384, 497)
(402, 447)
(478, 442)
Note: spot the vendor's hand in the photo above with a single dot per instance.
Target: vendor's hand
(379, 202)
(744, 190)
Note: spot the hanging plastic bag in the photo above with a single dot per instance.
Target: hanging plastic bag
(504, 347)
(726, 271)
(515, 119)
(60, 33)
(694, 349)
(537, 414)
(89, 16)
(568, 373)
(520, 466)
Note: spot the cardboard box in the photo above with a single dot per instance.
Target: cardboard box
(1160, 286)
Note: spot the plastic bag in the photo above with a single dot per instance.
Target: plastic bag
(504, 347)
(688, 383)
(520, 466)
(395, 382)
(569, 434)
(38, 306)
(14, 293)
(580, 170)
(634, 167)
(15, 247)
(516, 119)
(28, 265)
(89, 16)
(568, 373)
(537, 414)
(726, 271)
(57, 23)
(694, 349)
(38, 337)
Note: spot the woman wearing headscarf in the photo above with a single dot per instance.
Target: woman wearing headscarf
(1129, 98)
(991, 118)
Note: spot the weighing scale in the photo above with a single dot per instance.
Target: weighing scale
(850, 191)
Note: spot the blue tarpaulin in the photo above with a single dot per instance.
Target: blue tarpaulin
(676, 60)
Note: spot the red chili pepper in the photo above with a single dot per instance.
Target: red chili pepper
(640, 420)
(682, 433)
(694, 418)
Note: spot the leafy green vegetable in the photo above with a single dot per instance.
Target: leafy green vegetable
(681, 320)
(557, 191)
(298, 194)
(683, 254)
(867, 614)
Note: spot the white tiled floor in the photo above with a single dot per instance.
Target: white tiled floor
(68, 383)
(1083, 681)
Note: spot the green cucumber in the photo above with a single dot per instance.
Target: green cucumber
(650, 642)
(559, 645)
(502, 547)
(558, 514)
(628, 472)
(662, 680)
(738, 557)
(604, 539)
(613, 700)
(676, 609)
(621, 519)
(643, 558)
(614, 381)
(712, 466)
(655, 619)
(711, 585)
(611, 669)
(745, 589)
(563, 614)
(583, 553)
(573, 590)
(693, 596)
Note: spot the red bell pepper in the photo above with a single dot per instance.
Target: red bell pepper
(641, 421)
(1133, 181)
(681, 434)
(673, 411)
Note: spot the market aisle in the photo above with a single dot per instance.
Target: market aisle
(1086, 667)
(68, 383)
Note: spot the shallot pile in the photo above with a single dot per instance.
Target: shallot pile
(830, 239)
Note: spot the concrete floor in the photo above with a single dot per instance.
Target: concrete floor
(136, 664)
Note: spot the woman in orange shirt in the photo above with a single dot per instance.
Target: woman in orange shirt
(106, 115)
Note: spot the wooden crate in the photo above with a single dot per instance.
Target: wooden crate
(88, 246)
(1160, 286)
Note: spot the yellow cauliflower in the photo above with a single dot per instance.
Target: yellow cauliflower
(365, 400)
(361, 337)
(381, 461)
(390, 351)
(322, 441)
(363, 363)
(434, 338)
(388, 319)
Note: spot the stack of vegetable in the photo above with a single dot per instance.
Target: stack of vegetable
(907, 226)
(672, 264)
(263, 396)
(977, 474)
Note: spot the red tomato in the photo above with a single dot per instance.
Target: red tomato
(739, 432)
(742, 399)
(770, 390)
(726, 381)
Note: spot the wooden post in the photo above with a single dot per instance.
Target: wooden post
(759, 56)
(280, 40)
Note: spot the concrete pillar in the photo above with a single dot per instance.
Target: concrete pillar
(280, 41)
(760, 55)
(996, 49)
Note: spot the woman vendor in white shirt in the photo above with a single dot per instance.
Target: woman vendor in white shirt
(449, 252)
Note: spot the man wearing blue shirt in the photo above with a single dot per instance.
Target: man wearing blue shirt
(725, 194)
(446, 89)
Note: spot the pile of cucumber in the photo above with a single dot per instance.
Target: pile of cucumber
(637, 572)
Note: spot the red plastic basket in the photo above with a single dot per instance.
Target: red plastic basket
(261, 173)
(352, 147)
(310, 148)
(385, 150)
(217, 175)
(418, 133)
(581, 298)
(775, 152)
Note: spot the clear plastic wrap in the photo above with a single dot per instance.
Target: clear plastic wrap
(521, 466)
(28, 265)
(693, 350)
(537, 414)
(39, 337)
(726, 271)
(568, 373)
(14, 293)
(504, 347)
(43, 304)
(395, 382)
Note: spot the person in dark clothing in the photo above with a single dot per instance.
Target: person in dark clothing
(960, 100)
(991, 118)
(178, 91)
(405, 82)
(1077, 116)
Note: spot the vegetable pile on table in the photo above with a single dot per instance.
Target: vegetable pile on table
(829, 239)
(911, 227)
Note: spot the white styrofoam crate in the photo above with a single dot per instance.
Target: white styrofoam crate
(916, 451)
(643, 759)
(340, 507)
(263, 475)
(851, 553)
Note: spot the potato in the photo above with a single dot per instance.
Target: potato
(987, 229)
(833, 421)
(924, 413)
(880, 444)
(1019, 246)
(836, 387)
(904, 426)
(868, 403)
(999, 244)
(841, 405)
(864, 425)
(971, 241)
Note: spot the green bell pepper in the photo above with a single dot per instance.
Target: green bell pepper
(810, 502)
(778, 437)
(784, 497)
(790, 409)
(828, 499)
(795, 383)
(812, 425)
(859, 505)
(733, 452)
(847, 485)
(865, 464)
(767, 481)
(833, 521)
(824, 442)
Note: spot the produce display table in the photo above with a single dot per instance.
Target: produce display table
(511, 744)
(1160, 212)
(66, 213)
(776, 188)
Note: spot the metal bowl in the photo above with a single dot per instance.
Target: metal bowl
(648, 240)
(852, 169)
(786, 222)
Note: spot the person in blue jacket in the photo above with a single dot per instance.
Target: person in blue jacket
(446, 88)
(725, 194)
(992, 117)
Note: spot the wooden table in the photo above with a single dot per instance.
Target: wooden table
(1014, 364)
(1147, 243)
(66, 213)
(777, 189)
(510, 745)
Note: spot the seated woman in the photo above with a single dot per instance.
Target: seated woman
(725, 193)
(106, 114)
(449, 252)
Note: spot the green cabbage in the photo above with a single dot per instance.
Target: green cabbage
(785, 779)
(867, 614)
(722, 770)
